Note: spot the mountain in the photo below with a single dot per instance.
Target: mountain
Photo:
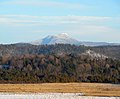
(64, 38)
(97, 43)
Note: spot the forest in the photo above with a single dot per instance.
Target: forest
(21, 63)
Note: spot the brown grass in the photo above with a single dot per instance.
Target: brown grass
(89, 89)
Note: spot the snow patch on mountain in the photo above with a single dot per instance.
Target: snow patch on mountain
(63, 35)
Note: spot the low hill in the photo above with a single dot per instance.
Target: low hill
(27, 63)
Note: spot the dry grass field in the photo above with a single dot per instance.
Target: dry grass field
(89, 89)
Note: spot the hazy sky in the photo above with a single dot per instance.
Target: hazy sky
(85, 20)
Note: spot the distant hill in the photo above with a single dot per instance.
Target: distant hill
(21, 49)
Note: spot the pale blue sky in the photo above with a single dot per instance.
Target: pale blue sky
(85, 20)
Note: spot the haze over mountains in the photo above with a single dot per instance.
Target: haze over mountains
(64, 38)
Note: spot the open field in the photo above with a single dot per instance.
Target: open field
(50, 96)
(88, 89)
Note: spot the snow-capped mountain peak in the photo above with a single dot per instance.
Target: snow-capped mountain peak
(62, 38)
(63, 35)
